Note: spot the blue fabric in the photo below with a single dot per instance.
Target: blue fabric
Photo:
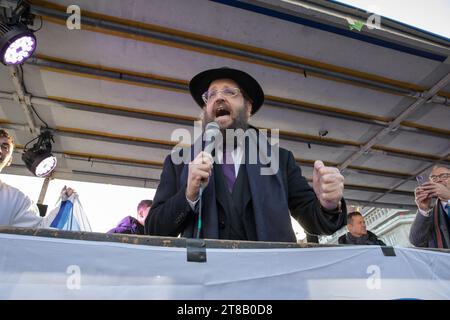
(64, 220)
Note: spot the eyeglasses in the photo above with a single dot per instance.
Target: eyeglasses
(442, 176)
(5, 147)
(227, 92)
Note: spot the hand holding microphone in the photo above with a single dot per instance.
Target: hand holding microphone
(200, 168)
(199, 173)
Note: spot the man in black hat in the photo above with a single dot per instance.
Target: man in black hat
(238, 202)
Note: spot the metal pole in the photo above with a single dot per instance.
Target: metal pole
(23, 99)
(396, 122)
(44, 190)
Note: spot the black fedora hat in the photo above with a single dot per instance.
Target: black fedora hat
(200, 84)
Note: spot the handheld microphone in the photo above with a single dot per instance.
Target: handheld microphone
(212, 130)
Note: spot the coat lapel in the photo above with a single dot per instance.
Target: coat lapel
(269, 199)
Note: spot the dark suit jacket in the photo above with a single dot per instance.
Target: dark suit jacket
(432, 231)
(372, 239)
(274, 198)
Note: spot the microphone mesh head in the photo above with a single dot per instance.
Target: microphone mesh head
(212, 131)
(213, 126)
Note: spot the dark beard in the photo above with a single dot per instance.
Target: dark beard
(240, 122)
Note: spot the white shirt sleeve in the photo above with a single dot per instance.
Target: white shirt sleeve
(424, 213)
(193, 204)
(17, 209)
(27, 215)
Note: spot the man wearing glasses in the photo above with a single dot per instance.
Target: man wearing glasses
(238, 202)
(431, 227)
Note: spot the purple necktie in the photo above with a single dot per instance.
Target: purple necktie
(228, 170)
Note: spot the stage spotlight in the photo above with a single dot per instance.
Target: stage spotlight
(39, 159)
(17, 43)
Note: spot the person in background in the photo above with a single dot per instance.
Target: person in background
(131, 225)
(16, 209)
(431, 227)
(357, 232)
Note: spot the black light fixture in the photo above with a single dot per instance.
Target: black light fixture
(39, 159)
(17, 41)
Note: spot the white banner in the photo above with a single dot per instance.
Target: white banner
(50, 268)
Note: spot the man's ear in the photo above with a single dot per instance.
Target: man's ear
(249, 108)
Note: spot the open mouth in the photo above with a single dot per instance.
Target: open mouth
(222, 112)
